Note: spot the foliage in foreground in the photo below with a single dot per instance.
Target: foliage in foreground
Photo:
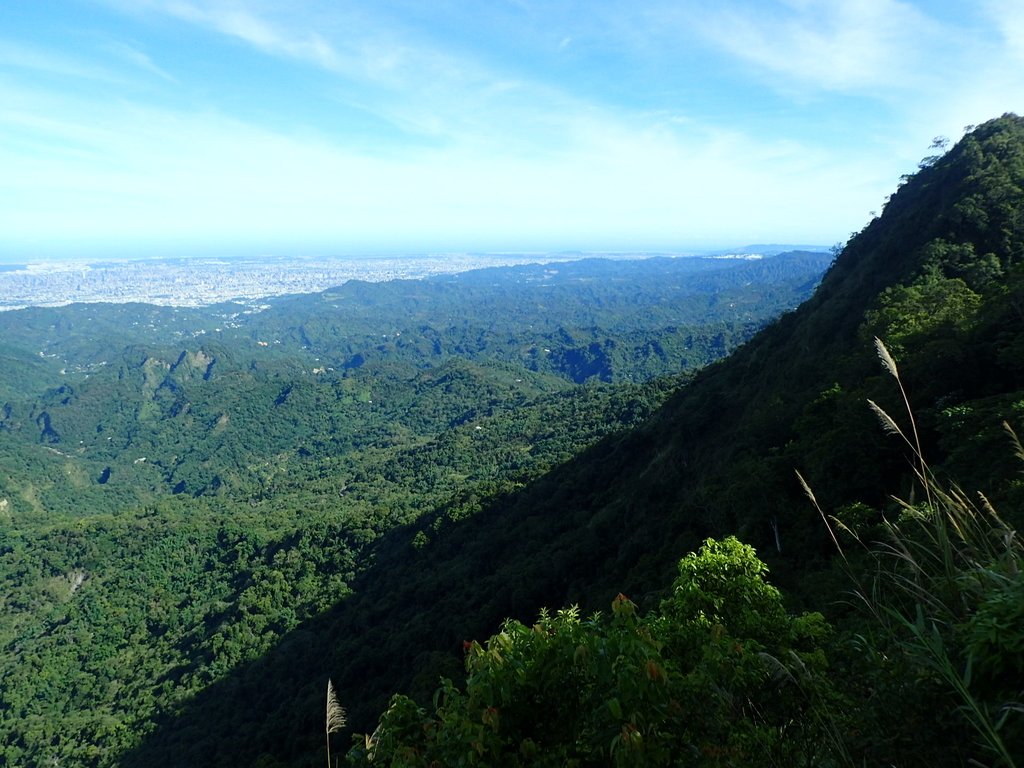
(943, 595)
(719, 675)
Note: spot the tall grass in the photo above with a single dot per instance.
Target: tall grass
(942, 570)
(334, 718)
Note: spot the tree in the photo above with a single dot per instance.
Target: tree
(721, 674)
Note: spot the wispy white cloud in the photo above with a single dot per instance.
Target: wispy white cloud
(247, 24)
(916, 70)
(347, 41)
(835, 45)
(15, 55)
(974, 71)
(397, 74)
(1008, 18)
(106, 66)
(138, 59)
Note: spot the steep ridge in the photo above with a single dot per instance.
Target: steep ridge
(939, 275)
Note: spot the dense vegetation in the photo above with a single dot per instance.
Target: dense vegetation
(685, 684)
(717, 458)
(411, 561)
(180, 489)
(927, 673)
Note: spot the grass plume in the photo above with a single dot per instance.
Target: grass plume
(334, 718)
(938, 565)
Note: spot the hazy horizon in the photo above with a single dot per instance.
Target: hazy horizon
(9, 260)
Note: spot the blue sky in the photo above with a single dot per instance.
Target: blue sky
(242, 127)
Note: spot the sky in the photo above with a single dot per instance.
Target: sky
(334, 127)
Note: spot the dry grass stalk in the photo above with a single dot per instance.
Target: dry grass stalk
(932, 567)
(890, 365)
(814, 501)
(335, 717)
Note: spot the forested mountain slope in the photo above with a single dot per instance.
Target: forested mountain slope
(182, 488)
(207, 395)
(939, 276)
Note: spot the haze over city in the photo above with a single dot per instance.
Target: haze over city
(140, 128)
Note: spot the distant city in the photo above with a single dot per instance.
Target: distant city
(205, 281)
